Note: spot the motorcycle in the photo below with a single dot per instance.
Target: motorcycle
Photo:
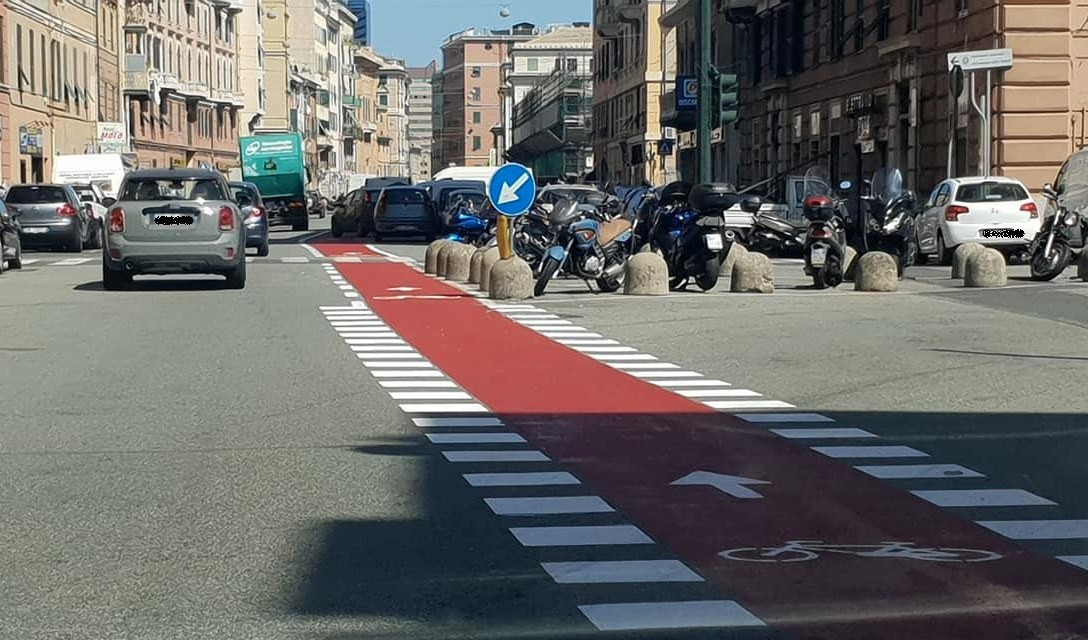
(1061, 238)
(825, 238)
(467, 221)
(590, 243)
(774, 235)
(889, 225)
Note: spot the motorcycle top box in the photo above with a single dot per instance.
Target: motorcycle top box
(713, 196)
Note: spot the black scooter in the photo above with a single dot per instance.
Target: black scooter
(1062, 238)
(825, 238)
(890, 219)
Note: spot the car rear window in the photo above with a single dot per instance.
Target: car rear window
(405, 196)
(248, 192)
(35, 195)
(991, 192)
(172, 189)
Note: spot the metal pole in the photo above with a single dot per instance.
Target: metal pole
(706, 15)
(987, 129)
(502, 233)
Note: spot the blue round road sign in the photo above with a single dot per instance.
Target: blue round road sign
(512, 189)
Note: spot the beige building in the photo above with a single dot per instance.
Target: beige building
(291, 77)
(471, 105)
(251, 64)
(393, 114)
(420, 121)
(6, 151)
(629, 79)
(368, 151)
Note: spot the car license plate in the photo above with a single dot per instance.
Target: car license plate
(405, 227)
(168, 219)
(34, 230)
(1001, 233)
(817, 256)
(713, 241)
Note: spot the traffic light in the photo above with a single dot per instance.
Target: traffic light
(726, 99)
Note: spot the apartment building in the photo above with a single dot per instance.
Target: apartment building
(471, 105)
(420, 121)
(860, 86)
(334, 25)
(437, 117)
(393, 113)
(6, 151)
(251, 65)
(368, 150)
(361, 10)
(181, 82)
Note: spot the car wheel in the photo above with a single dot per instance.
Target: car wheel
(236, 277)
(377, 237)
(114, 280)
(76, 243)
(262, 250)
(336, 230)
(944, 254)
(2, 256)
(95, 240)
(301, 226)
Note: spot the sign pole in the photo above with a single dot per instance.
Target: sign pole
(502, 233)
(706, 16)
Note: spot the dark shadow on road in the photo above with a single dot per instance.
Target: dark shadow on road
(150, 283)
(1010, 355)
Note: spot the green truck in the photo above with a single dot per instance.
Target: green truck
(276, 163)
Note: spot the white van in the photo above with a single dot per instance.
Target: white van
(465, 173)
(104, 170)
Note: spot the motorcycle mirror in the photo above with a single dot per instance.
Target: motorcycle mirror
(845, 185)
(751, 204)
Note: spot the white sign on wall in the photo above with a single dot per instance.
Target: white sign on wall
(112, 137)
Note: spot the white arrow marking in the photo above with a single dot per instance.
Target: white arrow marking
(403, 289)
(509, 192)
(732, 485)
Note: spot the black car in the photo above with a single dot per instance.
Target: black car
(11, 249)
(440, 191)
(406, 211)
(51, 216)
(356, 213)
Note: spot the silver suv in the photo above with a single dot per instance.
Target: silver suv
(167, 221)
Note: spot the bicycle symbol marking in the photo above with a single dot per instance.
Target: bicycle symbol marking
(806, 550)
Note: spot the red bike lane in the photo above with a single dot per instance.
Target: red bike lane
(630, 440)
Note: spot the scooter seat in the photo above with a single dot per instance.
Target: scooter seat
(612, 229)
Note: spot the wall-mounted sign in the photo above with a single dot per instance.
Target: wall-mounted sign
(112, 137)
(981, 60)
(177, 162)
(687, 93)
(30, 141)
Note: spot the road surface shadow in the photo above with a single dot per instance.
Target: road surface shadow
(150, 283)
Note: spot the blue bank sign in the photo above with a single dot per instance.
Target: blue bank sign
(687, 93)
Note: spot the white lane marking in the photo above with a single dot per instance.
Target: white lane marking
(1038, 529)
(697, 382)
(580, 536)
(361, 322)
(386, 356)
(355, 333)
(430, 395)
(514, 307)
(295, 259)
(407, 374)
(440, 407)
(643, 365)
(747, 404)
(630, 616)
(349, 315)
(249, 259)
(417, 384)
(917, 471)
(527, 479)
(346, 287)
(475, 438)
(783, 417)
(304, 240)
(377, 341)
(663, 374)
(355, 329)
(547, 505)
(387, 254)
(586, 343)
(353, 305)
(718, 393)
(1076, 561)
(29, 261)
(495, 456)
(620, 571)
(71, 262)
(982, 498)
(596, 349)
(568, 334)
(546, 323)
(393, 364)
(871, 451)
(393, 348)
(457, 421)
(843, 432)
(351, 294)
(533, 316)
(622, 357)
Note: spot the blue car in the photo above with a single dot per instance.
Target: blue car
(249, 200)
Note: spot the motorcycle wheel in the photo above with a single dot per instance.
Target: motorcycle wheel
(609, 285)
(1044, 270)
(678, 283)
(832, 272)
(547, 272)
(708, 279)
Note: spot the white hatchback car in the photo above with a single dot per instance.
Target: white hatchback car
(996, 212)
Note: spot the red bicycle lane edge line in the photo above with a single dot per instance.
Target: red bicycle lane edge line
(610, 429)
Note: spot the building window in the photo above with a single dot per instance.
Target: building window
(884, 18)
(838, 28)
(477, 143)
(572, 65)
(54, 66)
(475, 72)
(859, 26)
(383, 100)
(532, 64)
(19, 75)
(914, 11)
(797, 36)
(41, 41)
(476, 95)
(476, 118)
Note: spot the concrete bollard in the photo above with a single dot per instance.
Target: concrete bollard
(444, 257)
(959, 258)
(511, 279)
(849, 264)
(1082, 267)
(457, 263)
(754, 273)
(491, 256)
(474, 264)
(430, 259)
(985, 268)
(646, 274)
(876, 271)
(737, 251)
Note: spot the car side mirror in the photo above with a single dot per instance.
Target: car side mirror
(751, 204)
(109, 202)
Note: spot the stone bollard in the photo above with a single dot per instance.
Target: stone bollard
(457, 263)
(646, 274)
(849, 264)
(444, 258)
(511, 279)
(1082, 267)
(474, 264)
(985, 268)
(491, 256)
(430, 259)
(959, 258)
(737, 251)
(754, 273)
(876, 271)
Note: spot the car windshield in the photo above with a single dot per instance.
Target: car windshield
(991, 192)
(472, 199)
(246, 192)
(172, 189)
(405, 196)
(35, 195)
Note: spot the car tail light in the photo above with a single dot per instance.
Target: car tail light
(1030, 208)
(820, 232)
(117, 220)
(226, 219)
(954, 211)
(256, 212)
(67, 210)
(817, 201)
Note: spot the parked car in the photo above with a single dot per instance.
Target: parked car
(356, 213)
(996, 212)
(248, 198)
(11, 249)
(168, 221)
(52, 217)
(94, 199)
(440, 193)
(406, 211)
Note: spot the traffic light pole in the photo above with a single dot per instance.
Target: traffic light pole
(706, 18)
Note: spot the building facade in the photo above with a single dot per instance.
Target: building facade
(251, 65)
(181, 82)
(630, 77)
(420, 121)
(6, 150)
(361, 10)
(393, 114)
(471, 105)
(368, 151)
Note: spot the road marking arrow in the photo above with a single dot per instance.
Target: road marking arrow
(509, 192)
(732, 485)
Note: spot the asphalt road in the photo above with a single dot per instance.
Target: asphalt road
(181, 461)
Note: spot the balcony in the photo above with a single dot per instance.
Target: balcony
(351, 102)
(234, 6)
(194, 90)
(136, 83)
(353, 132)
(226, 96)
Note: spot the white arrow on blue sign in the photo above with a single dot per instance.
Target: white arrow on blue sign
(512, 189)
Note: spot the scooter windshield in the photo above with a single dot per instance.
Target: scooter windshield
(887, 184)
(1074, 179)
(817, 182)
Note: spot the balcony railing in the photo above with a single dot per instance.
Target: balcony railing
(352, 131)
(194, 90)
(136, 82)
(351, 101)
